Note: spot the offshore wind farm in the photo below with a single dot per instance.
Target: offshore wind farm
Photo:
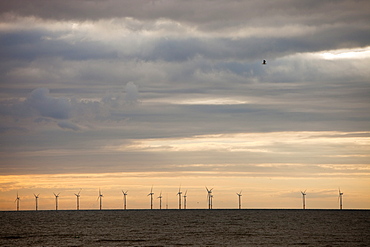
(182, 201)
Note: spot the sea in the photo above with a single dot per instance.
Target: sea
(191, 227)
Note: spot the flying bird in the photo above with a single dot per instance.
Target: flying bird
(264, 62)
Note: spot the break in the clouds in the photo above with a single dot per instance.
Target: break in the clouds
(157, 85)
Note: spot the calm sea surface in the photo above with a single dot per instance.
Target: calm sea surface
(186, 228)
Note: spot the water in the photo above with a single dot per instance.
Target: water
(186, 228)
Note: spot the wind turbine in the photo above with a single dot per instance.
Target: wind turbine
(209, 197)
(240, 199)
(340, 198)
(37, 201)
(78, 199)
(179, 194)
(304, 199)
(124, 199)
(56, 200)
(160, 200)
(100, 198)
(151, 197)
(185, 199)
(17, 200)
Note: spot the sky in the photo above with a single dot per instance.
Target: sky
(125, 95)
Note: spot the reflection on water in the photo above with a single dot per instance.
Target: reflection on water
(186, 227)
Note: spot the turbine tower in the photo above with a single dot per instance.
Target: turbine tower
(209, 197)
(78, 199)
(185, 199)
(304, 199)
(179, 194)
(240, 199)
(160, 200)
(100, 198)
(37, 201)
(340, 200)
(17, 200)
(151, 197)
(56, 200)
(124, 199)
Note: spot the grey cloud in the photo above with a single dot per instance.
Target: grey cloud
(68, 125)
(31, 44)
(47, 106)
(200, 12)
(12, 130)
(328, 25)
(132, 93)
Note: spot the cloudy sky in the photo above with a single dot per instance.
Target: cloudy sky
(127, 95)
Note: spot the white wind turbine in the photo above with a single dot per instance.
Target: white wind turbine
(151, 197)
(56, 200)
(340, 198)
(78, 199)
(124, 199)
(304, 199)
(37, 201)
(179, 194)
(100, 198)
(240, 200)
(160, 200)
(17, 200)
(185, 199)
(209, 197)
